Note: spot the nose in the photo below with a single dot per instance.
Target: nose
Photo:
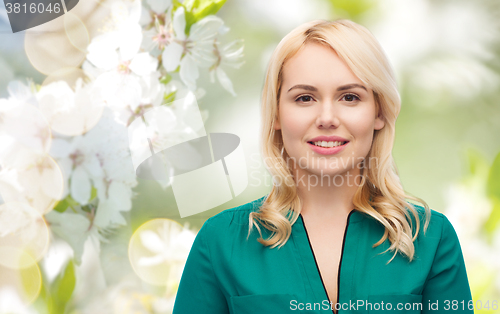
(327, 116)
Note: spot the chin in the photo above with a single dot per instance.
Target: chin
(326, 172)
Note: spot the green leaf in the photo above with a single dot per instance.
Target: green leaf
(176, 4)
(165, 79)
(196, 10)
(68, 201)
(208, 8)
(93, 194)
(61, 206)
(190, 20)
(63, 286)
(188, 14)
(189, 5)
(170, 97)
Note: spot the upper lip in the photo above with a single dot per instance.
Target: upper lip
(328, 139)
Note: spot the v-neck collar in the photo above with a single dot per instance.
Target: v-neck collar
(308, 259)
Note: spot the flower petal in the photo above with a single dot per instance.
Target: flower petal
(180, 23)
(152, 89)
(93, 165)
(102, 51)
(171, 56)
(189, 72)
(80, 186)
(120, 195)
(223, 30)
(159, 6)
(225, 81)
(72, 228)
(107, 216)
(203, 56)
(145, 18)
(206, 28)
(130, 40)
(65, 165)
(232, 54)
(147, 39)
(134, 11)
(143, 64)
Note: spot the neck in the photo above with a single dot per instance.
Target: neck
(328, 196)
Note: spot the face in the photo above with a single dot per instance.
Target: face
(323, 103)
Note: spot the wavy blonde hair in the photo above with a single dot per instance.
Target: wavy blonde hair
(380, 193)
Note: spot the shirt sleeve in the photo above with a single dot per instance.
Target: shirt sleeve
(446, 289)
(199, 289)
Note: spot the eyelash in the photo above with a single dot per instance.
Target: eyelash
(351, 94)
(301, 96)
(343, 96)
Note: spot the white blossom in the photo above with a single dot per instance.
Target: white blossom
(100, 158)
(80, 136)
(156, 8)
(69, 112)
(161, 34)
(190, 52)
(23, 128)
(74, 228)
(228, 55)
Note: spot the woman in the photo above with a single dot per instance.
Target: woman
(336, 233)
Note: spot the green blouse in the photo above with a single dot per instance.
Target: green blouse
(226, 273)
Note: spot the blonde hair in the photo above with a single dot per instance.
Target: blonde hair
(380, 193)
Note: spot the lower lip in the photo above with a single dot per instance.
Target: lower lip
(327, 150)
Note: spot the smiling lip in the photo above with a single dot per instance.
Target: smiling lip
(328, 139)
(327, 150)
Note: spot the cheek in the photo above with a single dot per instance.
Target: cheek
(293, 124)
(361, 124)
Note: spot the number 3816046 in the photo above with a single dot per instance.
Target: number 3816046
(33, 8)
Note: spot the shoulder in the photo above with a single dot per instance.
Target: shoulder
(440, 234)
(236, 216)
(226, 233)
(438, 222)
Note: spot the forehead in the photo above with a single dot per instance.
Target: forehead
(319, 65)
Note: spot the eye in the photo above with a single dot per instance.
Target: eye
(350, 97)
(304, 98)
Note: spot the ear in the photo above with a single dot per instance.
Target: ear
(277, 125)
(379, 122)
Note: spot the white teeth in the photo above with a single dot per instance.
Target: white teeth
(328, 144)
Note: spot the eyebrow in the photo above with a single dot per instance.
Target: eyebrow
(314, 89)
